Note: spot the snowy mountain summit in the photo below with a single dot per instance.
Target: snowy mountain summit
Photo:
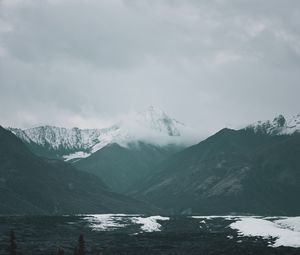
(279, 126)
(152, 126)
(158, 120)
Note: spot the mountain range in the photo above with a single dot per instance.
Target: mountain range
(255, 170)
(30, 184)
(230, 172)
(151, 126)
(120, 155)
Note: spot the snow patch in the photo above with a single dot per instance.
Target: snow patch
(285, 231)
(105, 222)
(78, 154)
(149, 224)
(225, 217)
(292, 223)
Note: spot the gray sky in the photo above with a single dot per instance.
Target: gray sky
(209, 64)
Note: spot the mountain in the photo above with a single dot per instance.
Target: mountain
(63, 143)
(121, 167)
(152, 126)
(279, 126)
(233, 171)
(33, 185)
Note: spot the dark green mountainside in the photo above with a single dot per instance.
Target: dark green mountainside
(230, 172)
(33, 185)
(122, 167)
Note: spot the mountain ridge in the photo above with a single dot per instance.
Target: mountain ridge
(233, 171)
(280, 125)
(151, 126)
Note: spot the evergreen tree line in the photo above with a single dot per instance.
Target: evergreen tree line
(79, 250)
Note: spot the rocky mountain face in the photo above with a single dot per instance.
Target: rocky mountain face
(279, 126)
(233, 171)
(152, 126)
(33, 185)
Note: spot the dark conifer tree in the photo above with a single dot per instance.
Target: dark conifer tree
(81, 245)
(76, 251)
(12, 244)
(60, 252)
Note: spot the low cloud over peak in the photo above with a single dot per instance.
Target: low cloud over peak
(209, 64)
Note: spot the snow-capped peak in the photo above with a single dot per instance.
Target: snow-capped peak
(152, 125)
(279, 126)
(154, 120)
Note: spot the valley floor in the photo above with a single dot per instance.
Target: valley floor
(137, 234)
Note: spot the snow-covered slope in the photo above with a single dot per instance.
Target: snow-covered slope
(152, 126)
(158, 120)
(279, 126)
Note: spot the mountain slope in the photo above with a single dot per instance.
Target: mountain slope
(63, 143)
(121, 167)
(33, 185)
(231, 172)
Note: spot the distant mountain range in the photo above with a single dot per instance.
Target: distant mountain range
(152, 126)
(255, 170)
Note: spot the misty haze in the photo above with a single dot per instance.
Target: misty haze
(149, 127)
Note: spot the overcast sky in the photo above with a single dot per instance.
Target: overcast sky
(209, 64)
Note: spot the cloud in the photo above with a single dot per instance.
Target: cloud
(210, 64)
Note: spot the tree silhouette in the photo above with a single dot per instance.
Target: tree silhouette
(81, 245)
(80, 249)
(60, 252)
(12, 243)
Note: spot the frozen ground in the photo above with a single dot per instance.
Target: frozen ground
(284, 231)
(140, 234)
